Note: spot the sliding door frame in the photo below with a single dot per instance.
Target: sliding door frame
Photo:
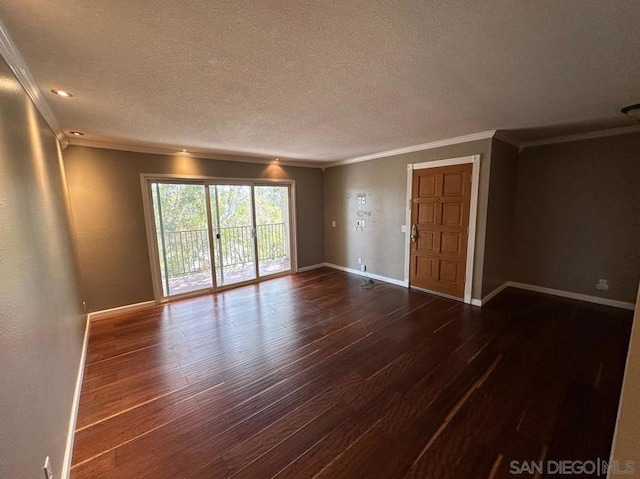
(146, 179)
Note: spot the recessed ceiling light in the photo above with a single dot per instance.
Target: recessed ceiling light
(76, 133)
(184, 151)
(277, 159)
(62, 93)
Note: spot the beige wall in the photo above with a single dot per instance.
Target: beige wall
(626, 442)
(109, 221)
(384, 182)
(577, 216)
(41, 325)
(498, 252)
(521, 234)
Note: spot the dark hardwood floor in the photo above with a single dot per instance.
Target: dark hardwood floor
(311, 375)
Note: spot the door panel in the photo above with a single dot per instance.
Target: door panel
(180, 217)
(450, 243)
(452, 214)
(441, 200)
(233, 233)
(426, 268)
(426, 213)
(273, 229)
(448, 271)
(427, 186)
(453, 184)
(426, 242)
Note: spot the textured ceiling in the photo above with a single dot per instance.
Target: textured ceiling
(328, 80)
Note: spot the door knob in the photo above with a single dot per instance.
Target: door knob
(414, 233)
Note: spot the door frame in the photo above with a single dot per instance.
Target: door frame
(473, 217)
(154, 255)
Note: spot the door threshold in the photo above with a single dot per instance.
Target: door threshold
(437, 293)
(219, 289)
(258, 280)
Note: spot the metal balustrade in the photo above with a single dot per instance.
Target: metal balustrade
(187, 252)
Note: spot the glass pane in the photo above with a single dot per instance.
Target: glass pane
(233, 233)
(183, 239)
(272, 227)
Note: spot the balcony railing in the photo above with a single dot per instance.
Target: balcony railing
(187, 252)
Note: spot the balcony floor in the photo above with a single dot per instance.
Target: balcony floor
(234, 274)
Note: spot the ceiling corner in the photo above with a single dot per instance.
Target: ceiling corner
(504, 137)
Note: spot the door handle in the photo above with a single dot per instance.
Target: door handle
(414, 233)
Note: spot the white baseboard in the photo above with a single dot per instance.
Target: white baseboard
(554, 292)
(385, 279)
(479, 302)
(120, 309)
(488, 297)
(567, 294)
(309, 268)
(66, 465)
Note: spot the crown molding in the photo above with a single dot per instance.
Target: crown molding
(581, 136)
(191, 154)
(504, 137)
(18, 66)
(411, 149)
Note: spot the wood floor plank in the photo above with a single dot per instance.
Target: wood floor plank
(311, 375)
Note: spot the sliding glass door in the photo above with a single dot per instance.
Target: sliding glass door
(213, 234)
(180, 215)
(272, 220)
(234, 233)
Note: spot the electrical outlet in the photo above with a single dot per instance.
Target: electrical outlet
(333, 223)
(359, 260)
(48, 473)
(363, 267)
(603, 285)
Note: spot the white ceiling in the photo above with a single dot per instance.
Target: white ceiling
(330, 80)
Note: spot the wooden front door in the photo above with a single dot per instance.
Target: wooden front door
(439, 228)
